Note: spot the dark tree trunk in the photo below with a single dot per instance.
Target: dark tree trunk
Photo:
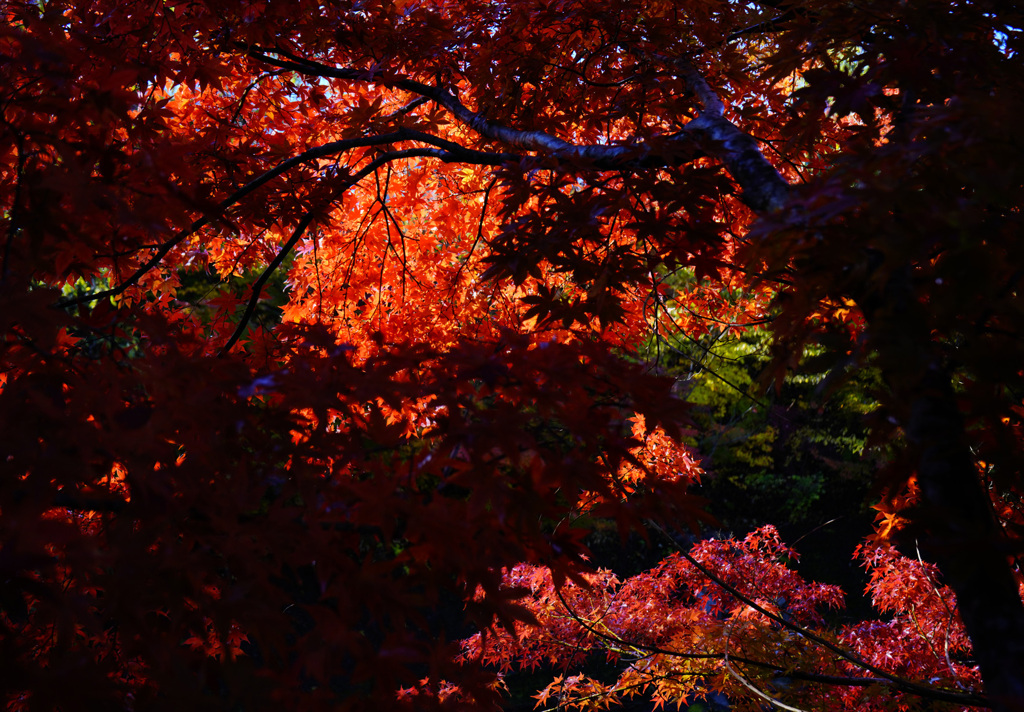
(965, 540)
(954, 519)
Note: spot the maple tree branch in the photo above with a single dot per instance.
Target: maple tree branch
(601, 85)
(764, 188)
(479, 235)
(530, 140)
(245, 95)
(257, 287)
(703, 365)
(950, 619)
(407, 109)
(613, 691)
(833, 680)
(618, 640)
(774, 24)
(599, 155)
(251, 186)
(458, 152)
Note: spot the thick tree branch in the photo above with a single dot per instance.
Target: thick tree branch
(597, 155)
(764, 189)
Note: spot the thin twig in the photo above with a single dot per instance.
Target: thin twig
(257, 287)
(745, 682)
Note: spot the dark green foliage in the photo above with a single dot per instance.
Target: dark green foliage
(200, 288)
(796, 456)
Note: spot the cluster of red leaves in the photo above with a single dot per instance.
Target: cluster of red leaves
(922, 637)
(733, 617)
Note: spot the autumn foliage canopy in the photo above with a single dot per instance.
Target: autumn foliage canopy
(322, 336)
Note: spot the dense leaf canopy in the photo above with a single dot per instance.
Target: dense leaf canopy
(326, 336)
